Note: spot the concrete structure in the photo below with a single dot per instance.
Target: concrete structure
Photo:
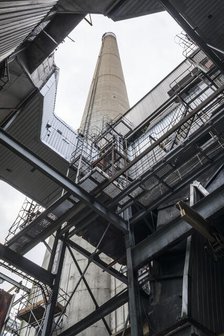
(135, 192)
(107, 100)
(107, 97)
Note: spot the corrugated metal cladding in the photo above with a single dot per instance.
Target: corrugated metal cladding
(26, 129)
(206, 17)
(54, 132)
(207, 286)
(132, 8)
(18, 19)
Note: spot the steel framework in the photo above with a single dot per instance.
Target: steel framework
(127, 177)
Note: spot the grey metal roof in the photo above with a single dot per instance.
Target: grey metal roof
(35, 29)
(129, 9)
(17, 20)
(25, 101)
(206, 18)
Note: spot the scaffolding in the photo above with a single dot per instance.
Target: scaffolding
(28, 310)
(28, 212)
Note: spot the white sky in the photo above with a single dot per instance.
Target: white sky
(148, 53)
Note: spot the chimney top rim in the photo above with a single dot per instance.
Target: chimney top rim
(108, 34)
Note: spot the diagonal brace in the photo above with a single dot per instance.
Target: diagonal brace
(60, 179)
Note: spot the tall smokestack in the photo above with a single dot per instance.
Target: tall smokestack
(107, 98)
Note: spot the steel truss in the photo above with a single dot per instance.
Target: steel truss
(170, 146)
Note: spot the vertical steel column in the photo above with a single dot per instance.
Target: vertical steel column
(53, 251)
(196, 192)
(49, 316)
(134, 302)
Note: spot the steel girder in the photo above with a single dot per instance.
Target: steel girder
(62, 180)
(176, 230)
(26, 266)
(14, 283)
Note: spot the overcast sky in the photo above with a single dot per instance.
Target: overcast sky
(148, 53)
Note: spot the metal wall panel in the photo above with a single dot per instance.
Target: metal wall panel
(132, 8)
(5, 302)
(207, 286)
(54, 132)
(157, 96)
(26, 128)
(17, 20)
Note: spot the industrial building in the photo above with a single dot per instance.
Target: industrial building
(132, 203)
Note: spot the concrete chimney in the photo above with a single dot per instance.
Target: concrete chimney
(107, 98)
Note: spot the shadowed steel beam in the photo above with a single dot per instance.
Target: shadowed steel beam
(107, 308)
(59, 178)
(26, 266)
(14, 283)
(51, 228)
(195, 220)
(175, 231)
(96, 260)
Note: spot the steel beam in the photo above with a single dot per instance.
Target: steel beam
(195, 220)
(134, 301)
(76, 223)
(49, 317)
(60, 179)
(96, 260)
(182, 21)
(26, 266)
(176, 230)
(14, 283)
(107, 308)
